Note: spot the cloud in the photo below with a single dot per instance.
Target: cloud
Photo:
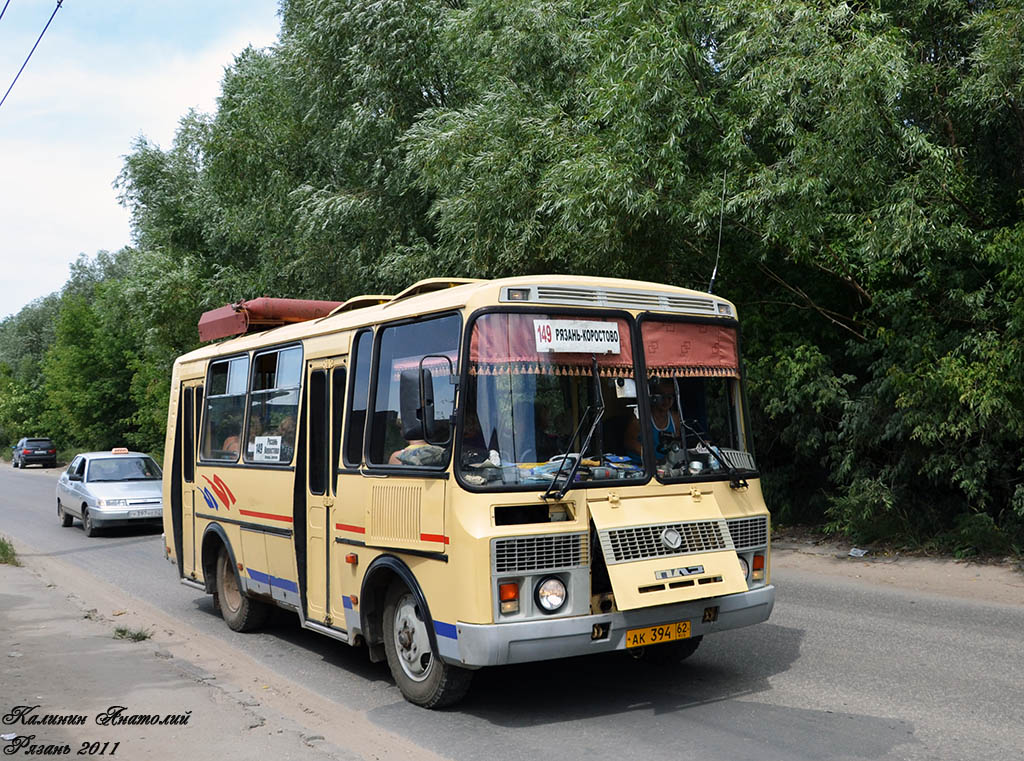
(63, 132)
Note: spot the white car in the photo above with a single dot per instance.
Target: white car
(110, 488)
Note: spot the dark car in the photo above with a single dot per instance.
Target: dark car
(34, 451)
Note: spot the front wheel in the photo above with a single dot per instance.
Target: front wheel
(419, 672)
(65, 519)
(88, 525)
(241, 613)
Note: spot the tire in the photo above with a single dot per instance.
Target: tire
(88, 526)
(669, 653)
(241, 613)
(65, 518)
(420, 674)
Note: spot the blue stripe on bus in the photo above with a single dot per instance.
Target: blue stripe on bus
(274, 581)
(446, 630)
(347, 602)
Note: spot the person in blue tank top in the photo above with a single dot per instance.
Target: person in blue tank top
(665, 423)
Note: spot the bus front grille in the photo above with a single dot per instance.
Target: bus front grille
(626, 545)
(522, 554)
(749, 532)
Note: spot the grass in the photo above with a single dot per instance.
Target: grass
(7, 554)
(135, 635)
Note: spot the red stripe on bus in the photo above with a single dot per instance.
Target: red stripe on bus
(254, 514)
(353, 529)
(434, 538)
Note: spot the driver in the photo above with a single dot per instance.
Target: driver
(665, 423)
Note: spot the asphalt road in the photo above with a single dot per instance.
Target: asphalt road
(844, 670)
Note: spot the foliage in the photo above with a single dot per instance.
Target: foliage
(852, 172)
(134, 635)
(7, 554)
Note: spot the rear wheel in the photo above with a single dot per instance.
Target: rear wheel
(241, 613)
(88, 526)
(420, 674)
(65, 519)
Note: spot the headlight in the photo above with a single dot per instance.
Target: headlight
(112, 502)
(550, 594)
(744, 566)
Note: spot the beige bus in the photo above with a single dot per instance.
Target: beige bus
(472, 473)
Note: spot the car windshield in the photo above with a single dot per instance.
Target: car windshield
(123, 469)
(697, 425)
(538, 384)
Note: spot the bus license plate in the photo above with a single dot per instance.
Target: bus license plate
(653, 635)
(152, 513)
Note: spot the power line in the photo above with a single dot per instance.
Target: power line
(2, 12)
(33, 50)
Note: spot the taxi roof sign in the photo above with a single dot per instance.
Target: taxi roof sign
(119, 450)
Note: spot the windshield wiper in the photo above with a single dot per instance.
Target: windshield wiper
(598, 414)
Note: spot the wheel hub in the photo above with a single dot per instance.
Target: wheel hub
(412, 641)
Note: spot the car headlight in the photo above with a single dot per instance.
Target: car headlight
(744, 566)
(550, 594)
(112, 502)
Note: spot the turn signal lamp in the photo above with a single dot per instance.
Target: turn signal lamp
(508, 595)
(758, 568)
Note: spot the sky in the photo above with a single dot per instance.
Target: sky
(105, 73)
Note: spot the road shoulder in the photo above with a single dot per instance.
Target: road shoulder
(1000, 583)
(59, 653)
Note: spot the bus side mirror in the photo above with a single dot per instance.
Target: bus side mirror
(416, 402)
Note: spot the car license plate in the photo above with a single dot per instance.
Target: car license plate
(654, 635)
(152, 513)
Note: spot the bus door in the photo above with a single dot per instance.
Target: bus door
(325, 402)
(191, 407)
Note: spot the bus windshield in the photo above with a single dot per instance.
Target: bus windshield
(538, 384)
(693, 378)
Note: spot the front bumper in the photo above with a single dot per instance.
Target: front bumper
(110, 516)
(538, 640)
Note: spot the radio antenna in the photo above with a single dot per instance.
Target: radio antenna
(721, 214)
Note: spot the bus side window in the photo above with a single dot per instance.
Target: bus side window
(274, 406)
(358, 400)
(225, 408)
(414, 346)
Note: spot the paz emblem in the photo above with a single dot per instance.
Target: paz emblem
(671, 539)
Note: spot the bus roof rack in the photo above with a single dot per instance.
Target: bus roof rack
(433, 284)
(361, 302)
(260, 314)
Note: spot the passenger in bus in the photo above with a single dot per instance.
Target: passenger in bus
(286, 430)
(255, 429)
(419, 452)
(665, 423)
(232, 425)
